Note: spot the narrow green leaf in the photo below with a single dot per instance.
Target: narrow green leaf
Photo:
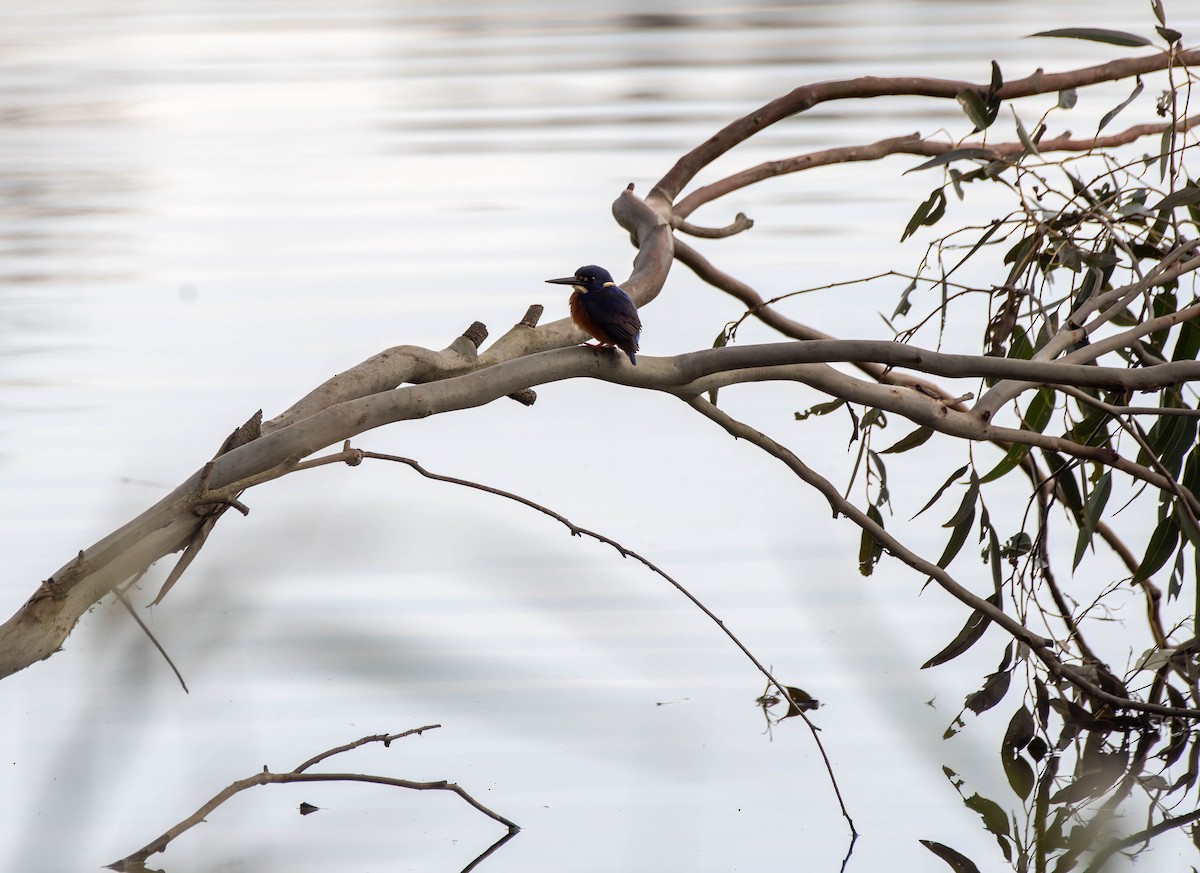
(918, 218)
(1068, 489)
(873, 417)
(820, 409)
(1170, 437)
(997, 80)
(970, 634)
(1097, 34)
(903, 307)
(1037, 416)
(993, 558)
(1023, 136)
(1092, 510)
(1187, 347)
(1112, 113)
(869, 548)
(1171, 35)
(967, 506)
(1041, 407)
(1017, 545)
(1015, 453)
(1157, 6)
(917, 438)
(1189, 193)
(958, 862)
(1020, 347)
(942, 490)
(1175, 583)
(928, 213)
(958, 536)
(972, 153)
(1186, 527)
(980, 112)
(1160, 548)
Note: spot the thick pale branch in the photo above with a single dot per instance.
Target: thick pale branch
(415, 365)
(39, 627)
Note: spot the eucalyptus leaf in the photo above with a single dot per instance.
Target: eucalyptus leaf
(969, 153)
(1092, 510)
(993, 691)
(1160, 548)
(1112, 113)
(1190, 193)
(870, 549)
(949, 481)
(918, 437)
(970, 634)
(1097, 34)
(958, 862)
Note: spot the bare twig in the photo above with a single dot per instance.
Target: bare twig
(120, 595)
(625, 552)
(266, 777)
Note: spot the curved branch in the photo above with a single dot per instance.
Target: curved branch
(39, 627)
(912, 144)
(807, 96)
(1038, 645)
(134, 861)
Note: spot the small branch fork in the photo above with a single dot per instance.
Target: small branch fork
(135, 861)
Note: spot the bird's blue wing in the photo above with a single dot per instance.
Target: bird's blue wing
(620, 317)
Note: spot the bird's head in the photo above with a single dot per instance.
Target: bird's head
(589, 278)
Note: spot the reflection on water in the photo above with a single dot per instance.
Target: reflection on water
(206, 208)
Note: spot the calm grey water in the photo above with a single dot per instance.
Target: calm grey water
(208, 207)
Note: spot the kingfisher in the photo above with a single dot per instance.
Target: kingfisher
(602, 310)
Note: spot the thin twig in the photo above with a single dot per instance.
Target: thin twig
(137, 618)
(624, 552)
(135, 860)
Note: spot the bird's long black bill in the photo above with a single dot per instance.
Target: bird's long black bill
(568, 280)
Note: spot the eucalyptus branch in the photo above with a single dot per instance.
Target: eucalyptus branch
(1079, 327)
(913, 144)
(867, 87)
(1181, 494)
(930, 412)
(1038, 645)
(37, 630)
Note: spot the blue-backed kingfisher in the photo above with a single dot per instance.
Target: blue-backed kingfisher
(602, 310)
